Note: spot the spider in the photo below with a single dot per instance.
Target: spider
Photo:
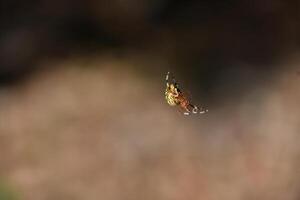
(175, 97)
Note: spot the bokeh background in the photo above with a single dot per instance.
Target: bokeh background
(82, 109)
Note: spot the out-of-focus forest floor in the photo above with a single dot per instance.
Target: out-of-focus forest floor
(97, 128)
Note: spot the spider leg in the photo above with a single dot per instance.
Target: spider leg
(186, 110)
(173, 79)
(175, 83)
(167, 79)
(196, 110)
(203, 111)
(183, 110)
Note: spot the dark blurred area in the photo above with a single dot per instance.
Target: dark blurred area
(201, 36)
(82, 108)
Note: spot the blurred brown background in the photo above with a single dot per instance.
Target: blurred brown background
(82, 109)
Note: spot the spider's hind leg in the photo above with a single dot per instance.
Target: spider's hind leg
(203, 111)
(183, 111)
(196, 110)
(191, 108)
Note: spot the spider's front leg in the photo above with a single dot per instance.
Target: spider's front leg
(167, 79)
(173, 80)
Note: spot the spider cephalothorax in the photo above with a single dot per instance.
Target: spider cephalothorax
(175, 97)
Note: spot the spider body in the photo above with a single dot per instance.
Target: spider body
(175, 97)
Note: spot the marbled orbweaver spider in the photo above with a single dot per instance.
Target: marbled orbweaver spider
(175, 97)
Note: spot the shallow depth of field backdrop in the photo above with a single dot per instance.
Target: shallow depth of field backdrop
(82, 109)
